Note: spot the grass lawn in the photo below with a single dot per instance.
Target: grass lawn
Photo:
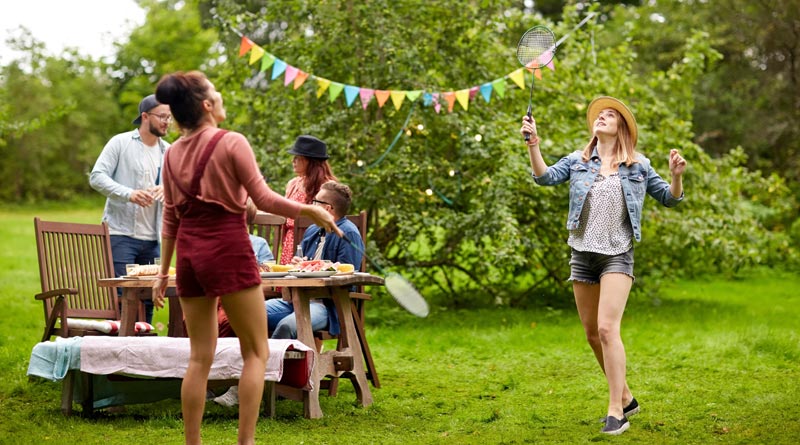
(710, 361)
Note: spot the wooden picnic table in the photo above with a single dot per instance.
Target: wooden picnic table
(346, 361)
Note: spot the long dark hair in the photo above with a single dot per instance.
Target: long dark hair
(184, 93)
(318, 172)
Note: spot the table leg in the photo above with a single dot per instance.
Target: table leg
(130, 310)
(352, 345)
(300, 302)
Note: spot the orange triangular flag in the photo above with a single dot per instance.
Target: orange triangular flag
(245, 46)
(300, 79)
(463, 98)
(381, 96)
(256, 54)
(538, 73)
(450, 97)
(397, 98)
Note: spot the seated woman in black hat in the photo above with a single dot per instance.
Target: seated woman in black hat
(310, 163)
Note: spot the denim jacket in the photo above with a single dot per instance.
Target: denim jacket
(119, 171)
(638, 179)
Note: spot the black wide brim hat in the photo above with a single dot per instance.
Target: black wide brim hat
(310, 147)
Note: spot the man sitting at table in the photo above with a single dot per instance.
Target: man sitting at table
(281, 319)
(336, 198)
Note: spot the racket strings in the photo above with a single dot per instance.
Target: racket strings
(536, 44)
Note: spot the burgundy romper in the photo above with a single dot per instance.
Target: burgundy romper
(215, 256)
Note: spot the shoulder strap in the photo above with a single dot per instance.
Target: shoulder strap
(201, 164)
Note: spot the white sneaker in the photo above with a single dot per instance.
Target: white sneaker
(230, 398)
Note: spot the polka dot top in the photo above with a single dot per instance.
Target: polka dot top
(604, 226)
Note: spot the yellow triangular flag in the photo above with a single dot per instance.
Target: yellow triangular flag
(518, 77)
(463, 98)
(323, 85)
(397, 98)
(256, 53)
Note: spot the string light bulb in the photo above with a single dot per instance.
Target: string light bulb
(420, 127)
(452, 172)
(429, 192)
(478, 138)
(360, 163)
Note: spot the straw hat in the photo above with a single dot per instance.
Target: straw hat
(603, 102)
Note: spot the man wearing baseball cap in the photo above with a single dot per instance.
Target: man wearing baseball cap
(128, 174)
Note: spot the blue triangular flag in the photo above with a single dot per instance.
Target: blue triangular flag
(486, 91)
(350, 94)
(278, 68)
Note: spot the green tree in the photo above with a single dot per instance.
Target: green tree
(486, 234)
(60, 110)
(171, 39)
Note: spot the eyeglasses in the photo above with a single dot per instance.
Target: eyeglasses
(166, 118)
(317, 201)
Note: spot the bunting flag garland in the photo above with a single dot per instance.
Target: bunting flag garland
(297, 77)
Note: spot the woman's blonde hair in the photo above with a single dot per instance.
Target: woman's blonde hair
(624, 150)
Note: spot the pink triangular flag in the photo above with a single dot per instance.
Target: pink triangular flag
(289, 75)
(366, 95)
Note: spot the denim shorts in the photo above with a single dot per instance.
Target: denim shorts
(588, 267)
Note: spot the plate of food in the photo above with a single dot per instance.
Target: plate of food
(314, 274)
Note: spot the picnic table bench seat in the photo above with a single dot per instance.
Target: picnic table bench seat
(99, 372)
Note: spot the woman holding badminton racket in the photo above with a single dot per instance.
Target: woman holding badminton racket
(608, 183)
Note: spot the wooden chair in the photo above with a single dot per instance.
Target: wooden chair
(359, 299)
(71, 259)
(270, 227)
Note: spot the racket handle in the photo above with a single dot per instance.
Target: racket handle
(529, 114)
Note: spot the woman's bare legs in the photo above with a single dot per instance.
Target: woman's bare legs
(600, 308)
(201, 324)
(248, 318)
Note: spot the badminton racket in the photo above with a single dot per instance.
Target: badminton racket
(399, 288)
(535, 49)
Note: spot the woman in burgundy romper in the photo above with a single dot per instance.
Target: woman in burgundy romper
(208, 175)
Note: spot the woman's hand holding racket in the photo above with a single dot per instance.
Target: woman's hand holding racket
(529, 130)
